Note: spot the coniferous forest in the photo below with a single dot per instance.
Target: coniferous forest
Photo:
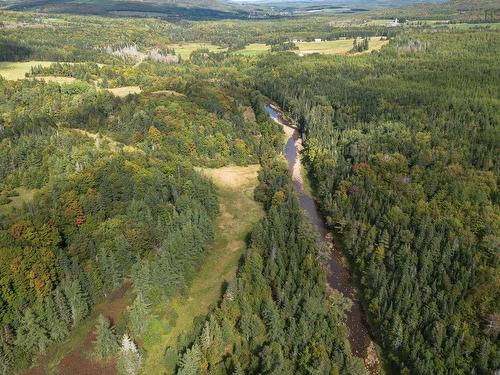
(152, 220)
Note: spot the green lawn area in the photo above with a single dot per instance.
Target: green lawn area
(239, 213)
(185, 49)
(17, 70)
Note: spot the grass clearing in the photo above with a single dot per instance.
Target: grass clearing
(167, 93)
(238, 214)
(125, 90)
(326, 47)
(103, 140)
(17, 70)
(185, 49)
(337, 47)
(25, 195)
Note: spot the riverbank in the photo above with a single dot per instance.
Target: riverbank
(337, 271)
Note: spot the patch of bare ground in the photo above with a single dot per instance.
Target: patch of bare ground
(248, 114)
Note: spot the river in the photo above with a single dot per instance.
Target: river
(338, 273)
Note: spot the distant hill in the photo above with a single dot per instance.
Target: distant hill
(453, 10)
(167, 9)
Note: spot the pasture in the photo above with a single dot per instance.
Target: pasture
(337, 47)
(17, 70)
(326, 47)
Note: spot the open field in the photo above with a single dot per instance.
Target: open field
(101, 140)
(337, 47)
(238, 214)
(327, 47)
(125, 90)
(254, 49)
(17, 70)
(167, 93)
(185, 49)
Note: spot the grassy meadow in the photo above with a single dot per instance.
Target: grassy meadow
(17, 70)
(185, 49)
(327, 47)
(238, 214)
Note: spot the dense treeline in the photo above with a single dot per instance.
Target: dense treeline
(80, 212)
(82, 233)
(276, 316)
(402, 146)
(210, 126)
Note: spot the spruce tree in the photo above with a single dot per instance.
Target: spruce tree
(129, 359)
(105, 342)
(62, 306)
(56, 327)
(139, 316)
(31, 334)
(190, 362)
(76, 300)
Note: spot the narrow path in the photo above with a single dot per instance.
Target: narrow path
(238, 214)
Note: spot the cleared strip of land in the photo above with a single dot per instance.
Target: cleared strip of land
(238, 214)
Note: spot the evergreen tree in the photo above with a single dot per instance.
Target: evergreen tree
(62, 306)
(190, 362)
(129, 359)
(105, 342)
(31, 334)
(77, 300)
(56, 327)
(139, 316)
(4, 361)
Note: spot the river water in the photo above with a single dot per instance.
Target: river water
(338, 274)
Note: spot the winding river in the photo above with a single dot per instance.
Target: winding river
(338, 274)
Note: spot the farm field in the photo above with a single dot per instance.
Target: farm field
(17, 70)
(337, 47)
(327, 47)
